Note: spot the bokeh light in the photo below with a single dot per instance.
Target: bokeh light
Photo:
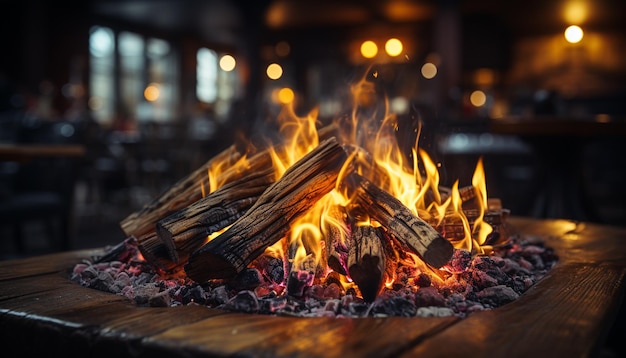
(285, 95)
(274, 71)
(478, 98)
(227, 63)
(393, 47)
(369, 49)
(152, 93)
(574, 34)
(429, 70)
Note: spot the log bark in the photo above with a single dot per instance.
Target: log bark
(396, 218)
(269, 219)
(187, 229)
(367, 261)
(185, 192)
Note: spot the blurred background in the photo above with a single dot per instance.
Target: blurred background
(132, 95)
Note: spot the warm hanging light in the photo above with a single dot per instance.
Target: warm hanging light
(274, 71)
(574, 34)
(227, 63)
(393, 47)
(369, 49)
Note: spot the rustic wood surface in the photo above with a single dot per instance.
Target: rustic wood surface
(566, 314)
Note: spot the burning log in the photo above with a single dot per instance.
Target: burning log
(186, 191)
(269, 219)
(404, 226)
(180, 195)
(453, 227)
(367, 261)
(156, 252)
(187, 229)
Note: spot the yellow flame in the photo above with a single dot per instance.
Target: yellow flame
(481, 229)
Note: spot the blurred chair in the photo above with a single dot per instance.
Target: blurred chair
(40, 188)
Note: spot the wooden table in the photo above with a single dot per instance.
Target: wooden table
(23, 152)
(567, 314)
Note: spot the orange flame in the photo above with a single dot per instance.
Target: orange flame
(371, 132)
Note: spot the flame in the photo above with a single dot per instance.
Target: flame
(481, 229)
(370, 132)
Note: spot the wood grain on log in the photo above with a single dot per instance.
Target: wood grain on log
(396, 218)
(187, 229)
(269, 219)
(156, 252)
(367, 261)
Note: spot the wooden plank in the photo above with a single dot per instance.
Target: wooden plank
(37, 265)
(256, 335)
(576, 241)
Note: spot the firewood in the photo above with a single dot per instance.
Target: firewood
(155, 252)
(187, 229)
(396, 218)
(269, 219)
(367, 261)
(185, 192)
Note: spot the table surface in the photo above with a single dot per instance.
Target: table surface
(566, 314)
(20, 152)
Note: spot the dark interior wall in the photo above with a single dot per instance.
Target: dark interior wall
(43, 42)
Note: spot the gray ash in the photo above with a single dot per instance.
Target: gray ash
(467, 284)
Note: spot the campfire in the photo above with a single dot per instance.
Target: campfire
(330, 219)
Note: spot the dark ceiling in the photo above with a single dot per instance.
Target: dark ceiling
(210, 19)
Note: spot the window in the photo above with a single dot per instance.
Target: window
(214, 85)
(206, 75)
(142, 71)
(102, 85)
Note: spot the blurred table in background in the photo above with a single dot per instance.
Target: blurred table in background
(23, 152)
(558, 145)
(38, 185)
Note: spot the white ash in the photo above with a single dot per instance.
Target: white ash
(471, 284)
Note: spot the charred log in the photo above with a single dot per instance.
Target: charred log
(187, 229)
(269, 219)
(403, 225)
(367, 261)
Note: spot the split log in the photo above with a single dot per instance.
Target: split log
(269, 219)
(405, 226)
(453, 228)
(367, 261)
(185, 192)
(156, 253)
(188, 229)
